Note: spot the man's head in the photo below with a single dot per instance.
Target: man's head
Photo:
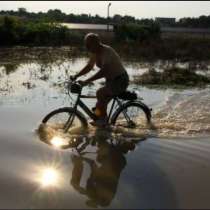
(92, 42)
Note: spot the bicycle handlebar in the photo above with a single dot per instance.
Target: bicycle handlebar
(72, 78)
(72, 85)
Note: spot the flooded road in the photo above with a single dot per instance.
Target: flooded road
(164, 168)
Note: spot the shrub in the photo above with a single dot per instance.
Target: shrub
(14, 31)
(8, 30)
(136, 32)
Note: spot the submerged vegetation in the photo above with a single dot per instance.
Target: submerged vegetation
(173, 76)
(160, 74)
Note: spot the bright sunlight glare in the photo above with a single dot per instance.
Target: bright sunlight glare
(58, 142)
(49, 177)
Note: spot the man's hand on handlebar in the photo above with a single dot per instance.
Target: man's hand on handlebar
(73, 78)
(83, 83)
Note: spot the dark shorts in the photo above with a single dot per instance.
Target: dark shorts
(118, 84)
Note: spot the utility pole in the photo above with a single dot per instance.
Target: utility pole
(108, 16)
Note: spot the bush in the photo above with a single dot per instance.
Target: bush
(8, 30)
(136, 32)
(14, 31)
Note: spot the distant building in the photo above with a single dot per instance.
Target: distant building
(164, 22)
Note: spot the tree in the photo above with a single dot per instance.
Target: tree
(55, 15)
(128, 19)
(22, 11)
(117, 18)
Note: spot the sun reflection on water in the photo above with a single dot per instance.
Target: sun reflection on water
(58, 142)
(49, 177)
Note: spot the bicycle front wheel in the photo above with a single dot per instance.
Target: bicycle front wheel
(65, 120)
(132, 115)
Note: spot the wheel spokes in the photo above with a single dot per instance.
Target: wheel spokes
(132, 117)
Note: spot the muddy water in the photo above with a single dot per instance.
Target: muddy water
(163, 168)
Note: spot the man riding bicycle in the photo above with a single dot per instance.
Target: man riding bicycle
(111, 68)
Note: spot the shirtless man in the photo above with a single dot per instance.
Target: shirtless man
(111, 69)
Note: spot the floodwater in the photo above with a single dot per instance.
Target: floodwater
(166, 167)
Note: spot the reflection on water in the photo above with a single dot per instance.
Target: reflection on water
(108, 168)
(57, 141)
(101, 185)
(49, 177)
(46, 72)
(105, 169)
(98, 163)
(152, 177)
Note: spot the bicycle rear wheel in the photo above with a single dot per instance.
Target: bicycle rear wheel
(132, 115)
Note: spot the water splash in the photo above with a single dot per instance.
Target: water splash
(60, 140)
(184, 115)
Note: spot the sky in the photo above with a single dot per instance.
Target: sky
(138, 9)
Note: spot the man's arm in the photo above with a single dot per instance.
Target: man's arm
(98, 75)
(101, 73)
(87, 68)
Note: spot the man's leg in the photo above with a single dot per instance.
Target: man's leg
(104, 96)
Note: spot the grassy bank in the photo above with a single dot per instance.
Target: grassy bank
(176, 77)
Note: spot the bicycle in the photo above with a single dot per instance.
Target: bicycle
(120, 114)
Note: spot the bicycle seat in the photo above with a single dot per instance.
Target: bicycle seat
(127, 95)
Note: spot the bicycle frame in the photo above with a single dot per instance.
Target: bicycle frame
(85, 108)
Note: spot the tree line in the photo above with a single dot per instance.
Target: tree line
(43, 29)
(24, 28)
(59, 16)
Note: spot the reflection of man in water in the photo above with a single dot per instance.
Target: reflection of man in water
(103, 181)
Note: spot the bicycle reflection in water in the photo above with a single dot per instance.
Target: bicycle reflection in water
(101, 185)
(105, 169)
